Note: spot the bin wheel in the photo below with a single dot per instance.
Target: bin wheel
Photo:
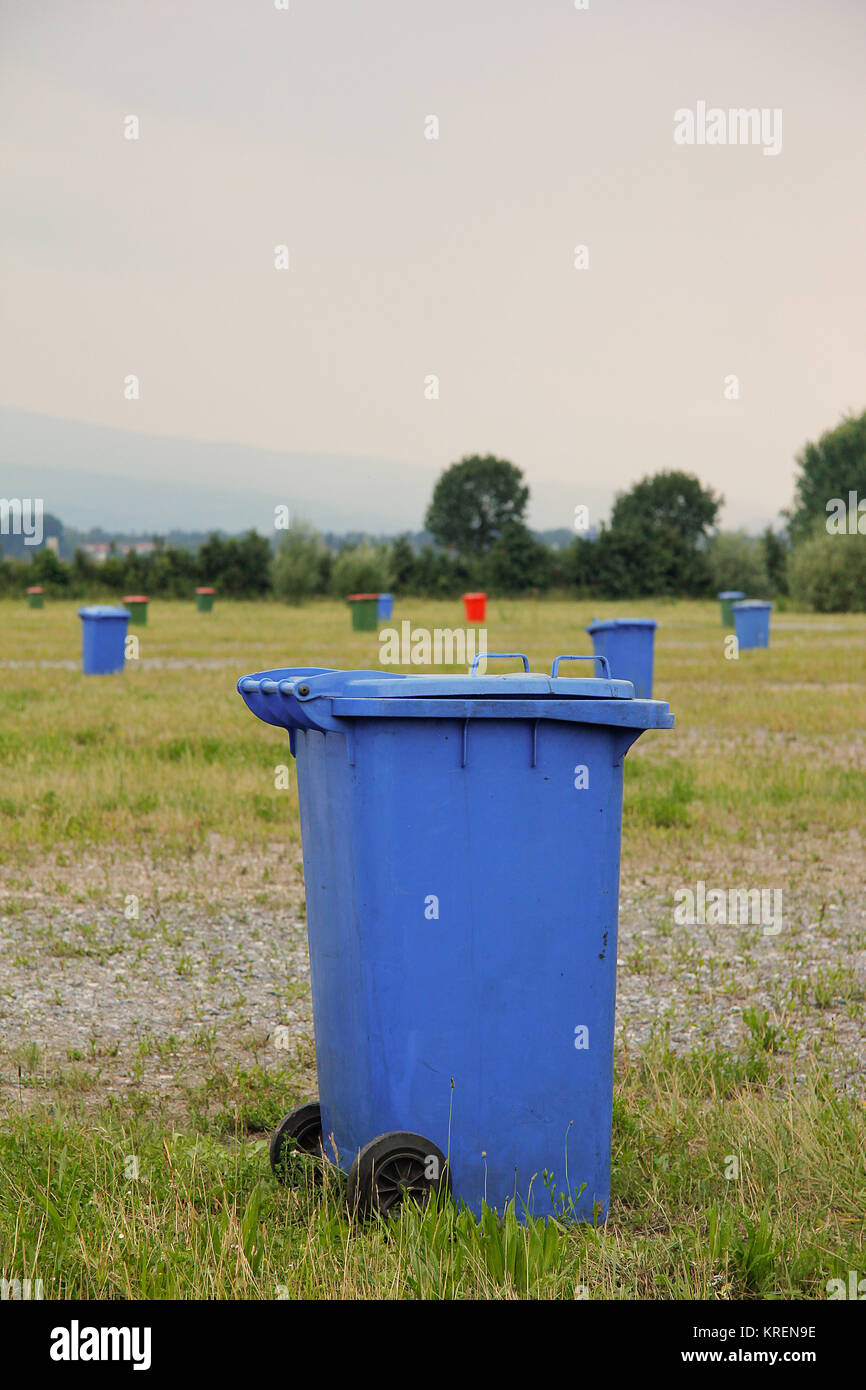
(298, 1134)
(394, 1168)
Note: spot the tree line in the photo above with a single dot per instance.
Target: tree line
(662, 539)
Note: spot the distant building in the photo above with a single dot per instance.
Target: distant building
(100, 550)
(97, 550)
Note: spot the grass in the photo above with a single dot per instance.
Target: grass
(736, 1174)
(170, 755)
(723, 1187)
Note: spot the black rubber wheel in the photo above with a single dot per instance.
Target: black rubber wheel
(297, 1139)
(394, 1168)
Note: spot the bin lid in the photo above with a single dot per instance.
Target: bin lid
(731, 593)
(352, 597)
(317, 697)
(598, 624)
(36, 589)
(205, 589)
(753, 603)
(136, 598)
(475, 595)
(102, 610)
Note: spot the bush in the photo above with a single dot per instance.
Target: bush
(361, 569)
(737, 562)
(634, 561)
(828, 573)
(517, 562)
(298, 563)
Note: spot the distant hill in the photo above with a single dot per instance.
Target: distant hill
(126, 482)
(92, 475)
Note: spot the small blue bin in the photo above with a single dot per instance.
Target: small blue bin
(103, 639)
(461, 841)
(752, 623)
(386, 606)
(628, 644)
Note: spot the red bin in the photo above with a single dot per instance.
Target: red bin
(476, 607)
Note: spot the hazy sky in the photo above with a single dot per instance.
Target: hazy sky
(455, 257)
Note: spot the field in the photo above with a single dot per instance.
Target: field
(153, 955)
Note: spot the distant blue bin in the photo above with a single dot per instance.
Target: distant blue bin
(628, 644)
(386, 606)
(461, 841)
(103, 639)
(752, 623)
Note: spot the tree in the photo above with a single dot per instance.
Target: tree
(297, 565)
(737, 562)
(473, 500)
(833, 467)
(173, 571)
(631, 561)
(517, 561)
(238, 566)
(775, 561)
(656, 541)
(50, 571)
(85, 570)
(401, 565)
(669, 501)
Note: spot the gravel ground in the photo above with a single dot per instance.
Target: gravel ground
(214, 968)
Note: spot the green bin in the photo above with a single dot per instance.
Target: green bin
(365, 612)
(727, 598)
(204, 599)
(36, 596)
(137, 605)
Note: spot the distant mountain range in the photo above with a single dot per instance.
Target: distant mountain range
(93, 475)
(129, 483)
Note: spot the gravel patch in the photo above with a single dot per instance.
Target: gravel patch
(117, 972)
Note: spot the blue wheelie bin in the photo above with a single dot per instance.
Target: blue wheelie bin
(461, 841)
(628, 644)
(385, 606)
(103, 639)
(752, 623)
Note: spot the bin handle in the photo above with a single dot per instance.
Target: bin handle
(485, 656)
(554, 670)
